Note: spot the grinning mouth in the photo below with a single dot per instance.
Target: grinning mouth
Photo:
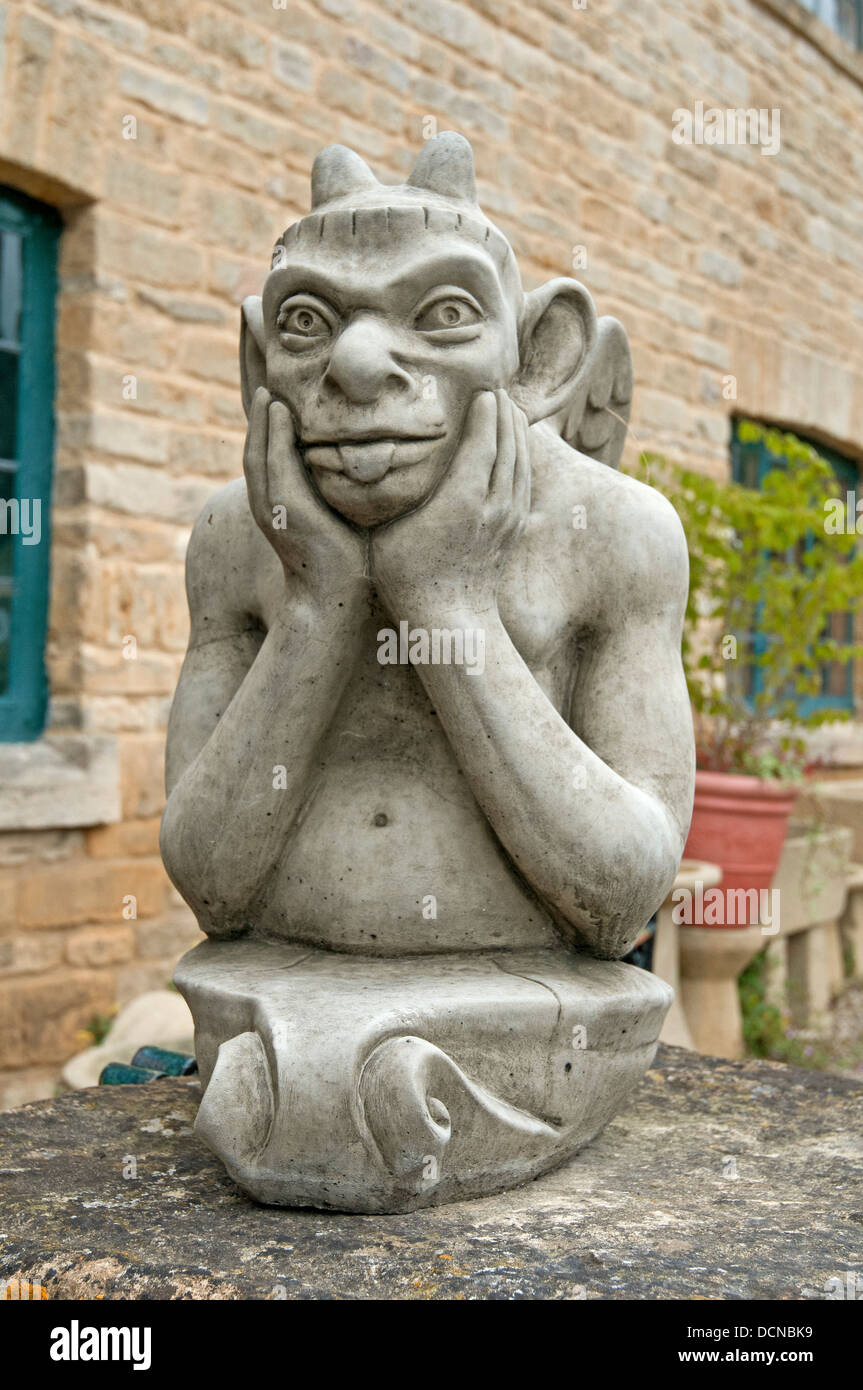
(366, 458)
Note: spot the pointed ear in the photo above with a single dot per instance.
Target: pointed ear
(556, 333)
(253, 359)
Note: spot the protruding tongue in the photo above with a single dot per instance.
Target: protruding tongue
(366, 463)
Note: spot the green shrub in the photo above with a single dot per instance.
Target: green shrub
(765, 576)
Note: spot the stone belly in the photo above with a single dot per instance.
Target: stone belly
(385, 860)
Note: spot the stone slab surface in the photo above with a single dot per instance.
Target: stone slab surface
(650, 1210)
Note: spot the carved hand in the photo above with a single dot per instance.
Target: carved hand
(318, 549)
(449, 554)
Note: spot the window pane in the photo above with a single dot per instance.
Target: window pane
(749, 467)
(836, 678)
(8, 405)
(10, 286)
(29, 236)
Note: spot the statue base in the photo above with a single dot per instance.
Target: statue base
(368, 1084)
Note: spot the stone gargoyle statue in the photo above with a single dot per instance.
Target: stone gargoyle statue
(430, 759)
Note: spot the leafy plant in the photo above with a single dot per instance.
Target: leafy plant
(96, 1030)
(766, 574)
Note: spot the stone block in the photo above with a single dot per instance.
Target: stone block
(293, 65)
(181, 309)
(60, 780)
(118, 31)
(260, 134)
(33, 952)
(41, 1021)
(103, 672)
(128, 438)
(149, 254)
(142, 776)
(243, 222)
(722, 269)
(97, 947)
(90, 891)
(211, 357)
(231, 41)
(75, 133)
(142, 491)
(23, 847)
(27, 77)
(130, 839)
(153, 195)
(579, 1233)
(343, 92)
(165, 95)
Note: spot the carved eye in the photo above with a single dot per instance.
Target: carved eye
(303, 324)
(448, 313)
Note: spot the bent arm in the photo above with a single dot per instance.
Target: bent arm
(240, 714)
(594, 816)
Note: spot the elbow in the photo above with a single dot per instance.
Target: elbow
(187, 866)
(179, 854)
(168, 835)
(174, 846)
(608, 910)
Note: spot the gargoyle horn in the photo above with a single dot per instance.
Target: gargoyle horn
(337, 172)
(445, 166)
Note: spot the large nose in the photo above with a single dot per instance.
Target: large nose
(361, 364)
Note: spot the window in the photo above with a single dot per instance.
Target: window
(844, 17)
(750, 463)
(29, 234)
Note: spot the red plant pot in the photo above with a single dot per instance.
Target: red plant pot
(739, 823)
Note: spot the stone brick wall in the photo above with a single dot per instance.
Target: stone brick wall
(721, 261)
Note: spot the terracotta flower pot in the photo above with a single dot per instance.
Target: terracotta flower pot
(739, 823)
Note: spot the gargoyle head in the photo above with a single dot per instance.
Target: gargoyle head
(386, 310)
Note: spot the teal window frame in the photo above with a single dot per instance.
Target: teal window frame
(24, 695)
(750, 463)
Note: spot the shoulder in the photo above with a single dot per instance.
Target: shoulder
(224, 561)
(223, 520)
(630, 531)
